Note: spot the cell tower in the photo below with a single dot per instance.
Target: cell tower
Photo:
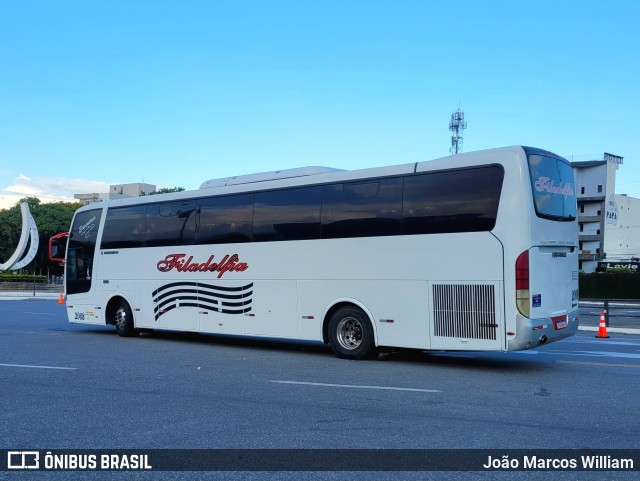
(456, 126)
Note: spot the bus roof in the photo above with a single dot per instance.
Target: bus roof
(266, 176)
(311, 175)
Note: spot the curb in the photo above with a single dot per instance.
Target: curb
(22, 296)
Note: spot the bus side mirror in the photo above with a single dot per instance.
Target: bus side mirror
(57, 243)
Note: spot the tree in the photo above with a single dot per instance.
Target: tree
(164, 190)
(50, 218)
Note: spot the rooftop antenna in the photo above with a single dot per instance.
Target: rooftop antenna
(456, 126)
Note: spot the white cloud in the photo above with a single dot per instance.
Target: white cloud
(8, 201)
(48, 189)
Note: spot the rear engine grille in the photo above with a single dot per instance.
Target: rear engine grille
(465, 311)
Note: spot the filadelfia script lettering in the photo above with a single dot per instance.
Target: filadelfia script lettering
(545, 184)
(180, 262)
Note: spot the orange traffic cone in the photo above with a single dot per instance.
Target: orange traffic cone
(60, 299)
(602, 329)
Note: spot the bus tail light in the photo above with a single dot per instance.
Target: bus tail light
(522, 284)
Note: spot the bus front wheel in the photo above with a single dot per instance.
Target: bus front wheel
(123, 319)
(350, 333)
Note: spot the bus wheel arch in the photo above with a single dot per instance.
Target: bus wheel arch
(349, 330)
(120, 314)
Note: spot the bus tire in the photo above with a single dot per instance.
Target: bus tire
(350, 333)
(123, 319)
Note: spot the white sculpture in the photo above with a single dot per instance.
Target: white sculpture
(29, 236)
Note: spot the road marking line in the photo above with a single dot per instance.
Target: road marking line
(350, 386)
(627, 355)
(610, 354)
(608, 364)
(40, 367)
(579, 340)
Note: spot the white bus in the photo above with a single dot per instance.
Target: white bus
(478, 251)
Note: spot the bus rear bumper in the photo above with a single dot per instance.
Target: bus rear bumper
(537, 332)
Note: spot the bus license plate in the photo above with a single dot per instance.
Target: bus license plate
(559, 322)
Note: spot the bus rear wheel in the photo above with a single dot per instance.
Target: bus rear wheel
(123, 319)
(350, 333)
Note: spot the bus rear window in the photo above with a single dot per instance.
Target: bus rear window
(554, 192)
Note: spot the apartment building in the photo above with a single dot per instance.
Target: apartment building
(609, 223)
(116, 191)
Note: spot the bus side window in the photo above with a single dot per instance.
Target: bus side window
(124, 227)
(223, 220)
(455, 201)
(360, 209)
(287, 214)
(171, 223)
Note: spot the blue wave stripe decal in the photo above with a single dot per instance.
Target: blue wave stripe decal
(209, 297)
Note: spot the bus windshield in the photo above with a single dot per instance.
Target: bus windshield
(80, 250)
(554, 192)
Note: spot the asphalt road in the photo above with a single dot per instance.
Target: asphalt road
(66, 386)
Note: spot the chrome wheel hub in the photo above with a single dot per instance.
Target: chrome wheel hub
(121, 317)
(349, 333)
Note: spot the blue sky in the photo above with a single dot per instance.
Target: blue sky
(177, 92)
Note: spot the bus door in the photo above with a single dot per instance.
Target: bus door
(553, 283)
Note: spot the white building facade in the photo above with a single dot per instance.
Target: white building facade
(609, 223)
(622, 228)
(116, 191)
